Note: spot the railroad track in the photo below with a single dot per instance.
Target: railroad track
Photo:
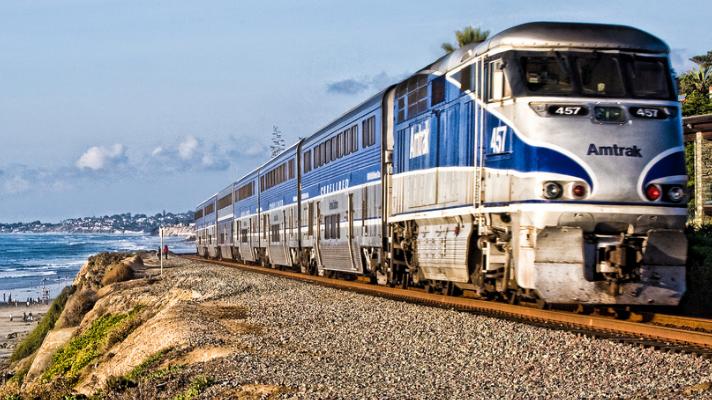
(663, 332)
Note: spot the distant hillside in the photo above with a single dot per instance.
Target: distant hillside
(119, 223)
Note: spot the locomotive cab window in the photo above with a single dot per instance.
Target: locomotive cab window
(498, 84)
(649, 78)
(600, 75)
(546, 75)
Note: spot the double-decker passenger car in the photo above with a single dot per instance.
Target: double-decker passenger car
(545, 163)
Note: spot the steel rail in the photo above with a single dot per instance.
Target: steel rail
(645, 333)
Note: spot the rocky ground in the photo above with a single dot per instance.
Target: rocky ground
(213, 332)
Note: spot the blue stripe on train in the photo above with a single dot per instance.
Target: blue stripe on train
(670, 165)
(504, 149)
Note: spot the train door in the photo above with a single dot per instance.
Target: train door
(285, 237)
(317, 232)
(352, 239)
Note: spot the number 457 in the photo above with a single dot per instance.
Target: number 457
(499, 140)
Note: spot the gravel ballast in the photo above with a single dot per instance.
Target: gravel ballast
(317, 342)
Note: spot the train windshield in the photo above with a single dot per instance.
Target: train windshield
(595, 75)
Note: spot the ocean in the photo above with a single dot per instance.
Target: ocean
(29, 262)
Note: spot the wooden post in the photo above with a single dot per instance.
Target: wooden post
(699, 186)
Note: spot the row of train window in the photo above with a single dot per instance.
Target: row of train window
(245, 191)
(341, 145)
(225, 201)
(278, 175)
(198, 214)
(412, 95)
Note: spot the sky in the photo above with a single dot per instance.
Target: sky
(143, 106)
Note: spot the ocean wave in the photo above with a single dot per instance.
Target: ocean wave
(23, 274)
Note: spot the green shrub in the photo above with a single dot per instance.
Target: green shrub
(196, 387)
(70, 360)
(34, 339)
(117, 273)
(141, 370)
(76, 307)
(698, 299)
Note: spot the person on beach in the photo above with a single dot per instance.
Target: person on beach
(165, 251)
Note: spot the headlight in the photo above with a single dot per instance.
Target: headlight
(676, 194)
(552, 190)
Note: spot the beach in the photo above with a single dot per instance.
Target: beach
(12, 332)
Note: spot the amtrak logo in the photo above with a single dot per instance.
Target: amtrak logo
(615, 150)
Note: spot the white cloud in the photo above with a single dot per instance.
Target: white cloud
(187, 148)
(101, 157)
(16, 184)
(158, 150)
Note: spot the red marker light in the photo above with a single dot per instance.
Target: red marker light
(578, 190)
(652, 192)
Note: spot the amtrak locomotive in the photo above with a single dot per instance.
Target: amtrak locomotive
(544, 164)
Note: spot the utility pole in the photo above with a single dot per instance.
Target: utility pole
(160, 253)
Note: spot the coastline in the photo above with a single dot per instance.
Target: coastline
(12, 332)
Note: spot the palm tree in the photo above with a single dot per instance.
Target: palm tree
(467, 35)
(699, 80)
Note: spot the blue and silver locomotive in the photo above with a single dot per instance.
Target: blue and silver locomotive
(545, 163)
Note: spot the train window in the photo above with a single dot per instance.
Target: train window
(310, 223)
(334, 148)
(291, 169)
(401, 109)
(368, 131)
(546, 75)
(307, 161)
(412, 95)
(354, 138)
(498, 84)
(244, 191)
(600, 75)
(346, 142)
(465, 78)
(225, 201)
(317, 157)
(649, 79)
(322, 155)
(327, 150)
(209, 209)
(437, 91)
(332, 225)
(275, 232)
(198, 214)
(243, 235)
(339, 149)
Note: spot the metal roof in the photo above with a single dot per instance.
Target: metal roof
(573, 34)
(697, 123)
(556, 35)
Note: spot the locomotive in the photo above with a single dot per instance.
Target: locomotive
(545, 164)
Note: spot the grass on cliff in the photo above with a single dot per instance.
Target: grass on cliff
(34, 339)
(698, 299)
(196, 387)
(69, 361)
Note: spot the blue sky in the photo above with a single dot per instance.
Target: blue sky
(140, 106)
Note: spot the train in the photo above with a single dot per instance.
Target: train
(544, 164)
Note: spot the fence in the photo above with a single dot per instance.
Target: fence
(698, 138)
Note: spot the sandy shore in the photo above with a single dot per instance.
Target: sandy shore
(11, 332)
